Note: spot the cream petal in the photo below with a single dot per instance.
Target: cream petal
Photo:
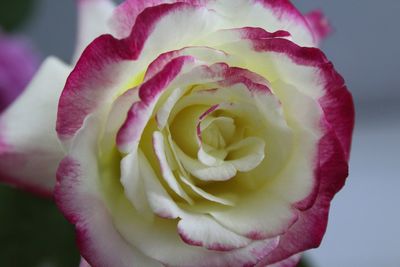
(29, 149)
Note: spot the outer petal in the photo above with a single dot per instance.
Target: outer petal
(93, 16)
(333, 148)
(77, 194)
(308, 70)
(108, 64)
(125, 15)
(314, 77)
(312, 223)
(205, 231)
(271, 15)
(319, 25)
(29, 148)
(289, 262)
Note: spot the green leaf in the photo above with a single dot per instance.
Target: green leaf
(33, 232)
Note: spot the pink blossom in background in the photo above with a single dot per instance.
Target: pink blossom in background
(18, 63)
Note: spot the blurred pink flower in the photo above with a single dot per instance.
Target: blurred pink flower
(18, 63)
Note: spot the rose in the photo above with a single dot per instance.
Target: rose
(18, 63)
(212, 133)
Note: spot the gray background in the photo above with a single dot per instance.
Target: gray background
(364, 228)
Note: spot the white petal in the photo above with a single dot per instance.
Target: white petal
(206, 173)
(271, 17)
(161, 203)
(29, 148)
(205, 194)
(159, 148)
(86, 201)
(259, 215)
(133, 182)
(116, 117)
(163, 113)
(249, 153)
(160, 241)
(204, 231)
(303, 114)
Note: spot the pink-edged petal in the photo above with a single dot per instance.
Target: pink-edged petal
(329, 88)
(125, 14)
(140, 113)
(297, 181)
(77, 194)
(334, 146)
(332, 172)
(204, 231)
(270, 15)
(108, 64)
(89, 87)
(289, 262)
(161, 241)
(201, 53)
(313, 75)
(29, 149)
(338, 107)
(117, 117)
(259, 216)
(254, 32)
(152, 88)
(98, 240)
(333, 150)
(319, 73)
(129, 134)
(319, 25)
(93, 16)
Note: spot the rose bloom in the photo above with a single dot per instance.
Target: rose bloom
(194, 133)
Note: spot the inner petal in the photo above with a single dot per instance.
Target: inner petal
(217, 131)
(246, 154)
(183, 129)
(167, 174)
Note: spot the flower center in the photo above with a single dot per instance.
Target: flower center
(217, 132)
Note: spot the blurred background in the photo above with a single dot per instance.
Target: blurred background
(364, 225)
